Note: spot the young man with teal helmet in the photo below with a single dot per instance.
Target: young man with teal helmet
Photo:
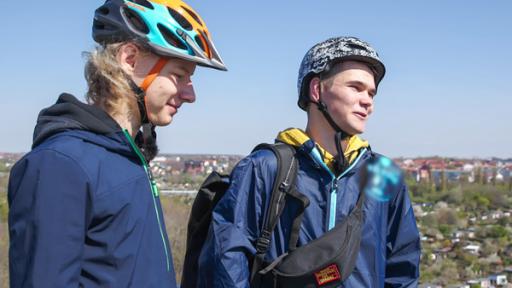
(357, 227)
(84, 207)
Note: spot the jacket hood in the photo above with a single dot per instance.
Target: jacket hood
(68, 113)
(296, 137)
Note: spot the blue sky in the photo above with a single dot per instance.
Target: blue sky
(446, 92)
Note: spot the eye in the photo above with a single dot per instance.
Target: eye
(372, 93)
(355, 88)
(177, 75)
(182, 78)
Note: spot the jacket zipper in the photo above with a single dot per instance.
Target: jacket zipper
(334, 185)
(154, 191)
(334, 194)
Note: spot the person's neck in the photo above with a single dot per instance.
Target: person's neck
(323, 134)
(126, 120)
(131, 126)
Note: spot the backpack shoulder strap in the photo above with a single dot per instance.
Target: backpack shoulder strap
(285, 178)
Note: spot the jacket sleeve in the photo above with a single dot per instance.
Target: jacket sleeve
(226, 255)
(47, 220)
(403, 243)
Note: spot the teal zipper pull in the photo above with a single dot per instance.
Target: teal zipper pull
(154, 188)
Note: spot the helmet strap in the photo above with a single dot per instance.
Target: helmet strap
(323, 108)
(159, 65)
(148, 128)
(140, 91)
(148, 133)
(140, 95)
(341, 161)
(146, 141)
(339, 136)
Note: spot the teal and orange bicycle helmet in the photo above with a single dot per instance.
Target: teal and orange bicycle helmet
(171, 28)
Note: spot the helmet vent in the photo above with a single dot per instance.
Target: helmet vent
(193, 15)
(200, 42)
(171, 38)
(136, 21)
(144, 3)
(180, 19)
(356, 46)
(103, 10)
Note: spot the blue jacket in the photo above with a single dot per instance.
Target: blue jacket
(82, 212)
(390, 247)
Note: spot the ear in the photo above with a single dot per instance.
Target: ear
(127, 56)
(314, 90)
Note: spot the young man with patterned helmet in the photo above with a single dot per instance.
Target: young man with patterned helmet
(84, 207)
(357, 201)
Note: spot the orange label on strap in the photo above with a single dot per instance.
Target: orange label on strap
(327, 275)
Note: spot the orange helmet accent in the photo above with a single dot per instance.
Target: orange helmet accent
(171, 28)
(192, 17)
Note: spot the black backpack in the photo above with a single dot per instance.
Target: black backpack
(324, 262)
(212, 190)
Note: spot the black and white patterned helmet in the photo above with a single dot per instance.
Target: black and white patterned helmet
(321, 57)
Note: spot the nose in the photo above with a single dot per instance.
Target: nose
(187, 93)
(366, 100)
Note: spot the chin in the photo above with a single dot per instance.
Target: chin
(359, 129)
(356, 130)
(164, 121)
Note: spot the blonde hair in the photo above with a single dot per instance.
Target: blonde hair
(108, 85)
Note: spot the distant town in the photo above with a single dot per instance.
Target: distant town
(463, 209)
(430, 169)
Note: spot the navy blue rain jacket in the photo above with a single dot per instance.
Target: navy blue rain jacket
(390, 247)
(82, 213)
